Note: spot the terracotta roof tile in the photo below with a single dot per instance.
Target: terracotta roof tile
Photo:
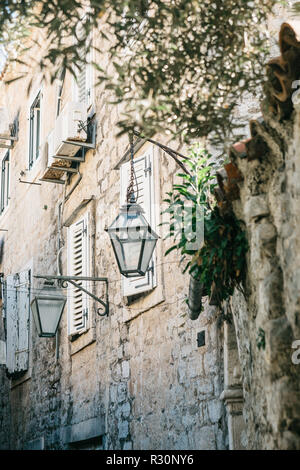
(282, 71)
(238, 149)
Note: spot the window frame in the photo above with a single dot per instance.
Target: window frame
(5, 182)
(142, 284)
(34, 130)
(60, 88)
(86, 265)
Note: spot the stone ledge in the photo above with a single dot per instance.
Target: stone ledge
(154, 298)
(232, 394)
(85, 339)
(84, 430)
(256, 206)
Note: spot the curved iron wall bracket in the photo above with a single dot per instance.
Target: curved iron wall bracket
(63, 281)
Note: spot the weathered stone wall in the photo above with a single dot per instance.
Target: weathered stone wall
(134, 380)
(137, 379)
(269, 207)
(180, 409)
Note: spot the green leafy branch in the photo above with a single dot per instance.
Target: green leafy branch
(219, 263)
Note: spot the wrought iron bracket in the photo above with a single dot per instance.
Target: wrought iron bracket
(63, 281)
(90, 128)
(30, 182)
(173, 153)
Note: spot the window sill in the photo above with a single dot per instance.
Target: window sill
(16, 382)
(83, 340)
(148, 301)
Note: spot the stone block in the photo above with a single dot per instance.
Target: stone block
(125, 369)
(125, 409)
(122, 392)
(266, 232)
(186, 350)
(206, 439)
(188, 420)
(256, 206)
(215, 410)
(205, 387)
(181, 373)
(279, 337)
(123, 429)
(127, 445)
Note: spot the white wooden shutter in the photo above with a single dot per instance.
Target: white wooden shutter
(17, 310)
(144, 191)
(84, 76)
(12, 324)
(24, 312)
(78, 265)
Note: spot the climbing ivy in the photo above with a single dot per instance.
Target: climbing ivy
(261, 339)
(218, 261)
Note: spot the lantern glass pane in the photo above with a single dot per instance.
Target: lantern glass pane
(118, 252)
(133, 241)
(35, 315)
(137, 233)
(50, 311)
(47, 308)
(132, 251)
(147, 254)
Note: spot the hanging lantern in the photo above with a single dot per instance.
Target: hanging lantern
(47, 308)
(132, 238)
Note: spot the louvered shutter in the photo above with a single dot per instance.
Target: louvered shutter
(24, 312)
(16, 312)
(12, 324)
(144, 191)
(82, 79)
(84, 76)
(78, 265)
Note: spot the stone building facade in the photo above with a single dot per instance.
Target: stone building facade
(141, 378)
(265, 322)
(136, 379)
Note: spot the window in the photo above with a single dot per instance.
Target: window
(144, 191)
(78, 265)
(35, 130)
(5, 182)
(60, 89)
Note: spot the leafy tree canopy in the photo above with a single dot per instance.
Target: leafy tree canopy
(180, 66)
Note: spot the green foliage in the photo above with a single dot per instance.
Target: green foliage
(189, 64)
(261, 339)
(219, 263)
(296, 8)
(179, 66)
